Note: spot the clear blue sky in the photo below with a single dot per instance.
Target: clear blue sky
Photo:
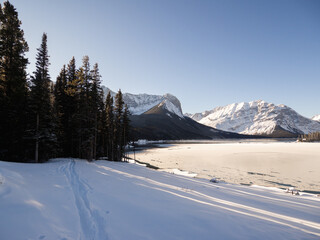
(207, 53)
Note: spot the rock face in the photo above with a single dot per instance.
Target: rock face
(160, 124)
(140, 103)
(257, 118)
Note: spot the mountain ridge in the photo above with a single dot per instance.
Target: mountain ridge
(257, 118)
(159, 117)
(140, 103)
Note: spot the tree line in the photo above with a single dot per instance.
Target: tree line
(40, 119)
(310, 137)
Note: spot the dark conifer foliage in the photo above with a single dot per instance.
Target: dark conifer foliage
(97, 109)
(41, 118)
(60, 110)
(89, 128)
(125, 126)
(311, 137)
(13, 84)
(118, 127)
(71, 106)
(108, 130)
(86, 129)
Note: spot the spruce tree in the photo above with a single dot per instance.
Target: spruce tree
(125, 126)
(97, 110)
(41, 114)
(72, 121)
(85, 114)
(118, 127)
(13, 84)
(109, 127)
(60, 111)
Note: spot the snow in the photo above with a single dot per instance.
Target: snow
(145, 142)
(178, 172)
(265, 163)
(74, 199)
(168, 105)
(168, 114)
(256, 117)
(141, 103)
(316, 118)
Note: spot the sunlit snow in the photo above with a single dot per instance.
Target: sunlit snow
(74, 199)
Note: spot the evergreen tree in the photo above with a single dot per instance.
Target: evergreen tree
(13, 84)
(86, 115)
(97, 109)
(41, 114)
(310, 137)
(118, 127)
(71, 111)
(33, 117)
(125, 126)
(60, 111)
(109, 127)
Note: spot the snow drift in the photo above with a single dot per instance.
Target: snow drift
(74, 199)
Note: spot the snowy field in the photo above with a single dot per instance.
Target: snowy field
(74, 199)
(267, 163)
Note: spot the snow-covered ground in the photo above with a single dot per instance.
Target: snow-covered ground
(260, 162)
(74, 199)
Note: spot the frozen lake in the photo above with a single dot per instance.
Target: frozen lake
(266, 163)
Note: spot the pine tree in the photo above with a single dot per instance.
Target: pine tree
(41, 114)
(118, 127)
(97, 110)
(13, 84)
(72, 121)
(86, 115)
(60, 111)
(109, 127)
(125, 126)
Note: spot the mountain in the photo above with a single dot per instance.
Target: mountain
(316, 118)
(257, 118)
(159, 117)
(159, 123)
(140, 103)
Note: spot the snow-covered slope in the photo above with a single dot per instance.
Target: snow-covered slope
(316, 118)
(257, 118)
(198, 116)
(140, 103)
(172, 104)
(73, 199)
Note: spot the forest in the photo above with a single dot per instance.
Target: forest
(311, 137)
(40, 119)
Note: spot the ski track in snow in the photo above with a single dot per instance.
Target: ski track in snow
(262, 210)
(201, 198)
(92, 223)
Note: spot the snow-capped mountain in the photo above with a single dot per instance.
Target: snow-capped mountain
(257, 118)
(316, 118)
(140, 103)
(159, 117)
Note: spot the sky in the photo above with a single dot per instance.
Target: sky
(208, 53)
